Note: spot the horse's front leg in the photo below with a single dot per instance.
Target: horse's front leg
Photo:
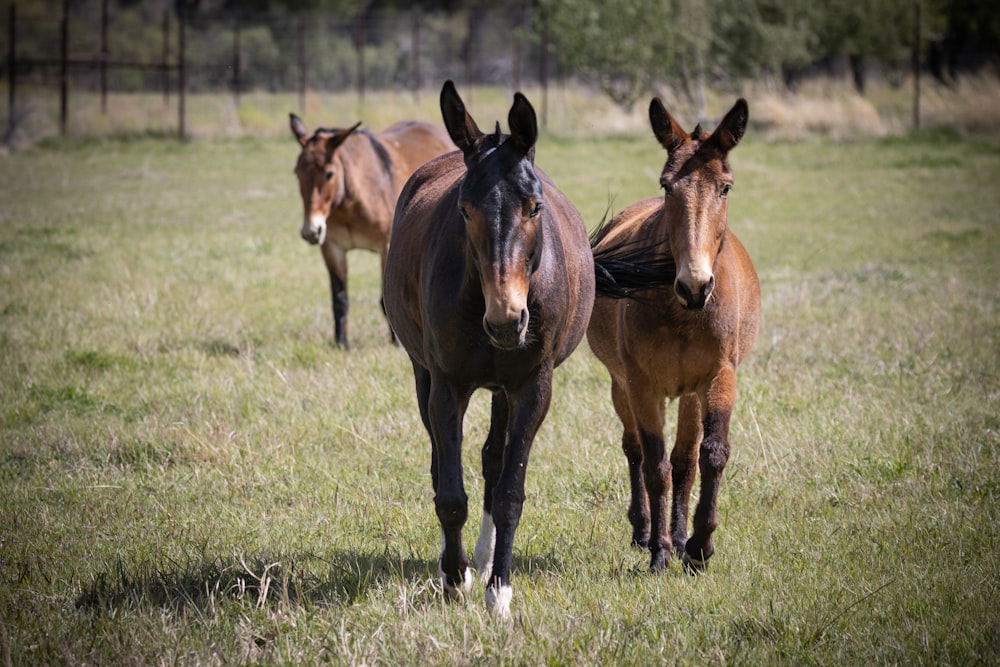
(638, 508)
(445, 411)
(336, 264)
(684, 464)
(493, 453)
(717, 408)
(528, 407)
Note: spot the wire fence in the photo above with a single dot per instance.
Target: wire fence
(96, 50)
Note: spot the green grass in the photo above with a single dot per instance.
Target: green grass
(190, 473)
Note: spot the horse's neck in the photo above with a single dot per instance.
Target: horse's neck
(368, 188)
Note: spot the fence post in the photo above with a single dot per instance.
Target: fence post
(12, 67)
(916, 65)
(181, 74)
(166, 58)
(64, 68)
(104, 57)
(302, 66)
(415, 57)
(236, 59)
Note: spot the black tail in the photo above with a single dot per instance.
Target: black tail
(624, 268)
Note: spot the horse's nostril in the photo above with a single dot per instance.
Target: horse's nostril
(523, 322)
(706, 289)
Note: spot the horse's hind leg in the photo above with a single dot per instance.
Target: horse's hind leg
(493, 452)
(712, 458)
(684, 464)
(638, 508)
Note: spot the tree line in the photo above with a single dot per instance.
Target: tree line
(625, 47)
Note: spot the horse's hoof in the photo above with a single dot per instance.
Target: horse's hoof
(694, 566)
(640, 540)
(498, 600)
(659, 560)
(453, 591)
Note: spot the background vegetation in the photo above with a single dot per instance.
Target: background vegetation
(191, 474)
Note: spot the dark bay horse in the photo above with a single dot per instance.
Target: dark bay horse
(489, 284)
(349, 180)
(682, 342)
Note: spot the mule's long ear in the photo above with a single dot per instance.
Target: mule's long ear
(298, 129)
(523, 126)
(733, 125)
(339, 137)
(460, 125)
(666, 130)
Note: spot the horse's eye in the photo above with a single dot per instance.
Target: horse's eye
(536, 210)
(667, 187)
(464, 212)
(726, 189)
(329, 174)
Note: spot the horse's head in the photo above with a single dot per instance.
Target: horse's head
(321, 182)
(696, 181)
(501, 203)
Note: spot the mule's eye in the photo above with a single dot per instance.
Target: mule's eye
(536, 210)
(667, 187)
(464, 212)
(329, 174)
(726, 189)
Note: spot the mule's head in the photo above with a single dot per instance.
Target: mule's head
(501, 203)
(321, 182)
(696, 181)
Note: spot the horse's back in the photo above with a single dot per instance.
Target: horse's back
(416, 142)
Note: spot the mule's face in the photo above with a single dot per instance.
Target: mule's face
(696, 181)
(320, 177)
(501, 203)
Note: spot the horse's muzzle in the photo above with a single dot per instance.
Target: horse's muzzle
(508, 335)
(313, 235)
(694, 299)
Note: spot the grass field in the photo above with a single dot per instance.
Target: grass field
(191, 474)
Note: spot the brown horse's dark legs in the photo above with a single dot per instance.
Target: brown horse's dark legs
(526, 409)
(492, 462)
(713, 455)
(684, 464)
(656, 472)
(341, 305)
(638, 509)
(445, 411)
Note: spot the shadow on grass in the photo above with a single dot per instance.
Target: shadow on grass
(337, 579)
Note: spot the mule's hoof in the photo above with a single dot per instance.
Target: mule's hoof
(459, 591)
(640, 540)
(498, 600)
(659, 560)
(694, 566)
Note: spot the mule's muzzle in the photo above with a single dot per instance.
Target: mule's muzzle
(694, 297)
(313, 235)
(510, 334)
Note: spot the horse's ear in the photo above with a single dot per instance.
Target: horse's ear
(666, 130)
(523, 126)
(339, 137)
(733, 125)
(460, 125)
(298, 128)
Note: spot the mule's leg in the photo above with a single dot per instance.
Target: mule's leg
(712, 457)
(493, 452)
(445, 410)
(638, 508)
(336, 264)
(527, 410)
(648, 408)
(684, 462)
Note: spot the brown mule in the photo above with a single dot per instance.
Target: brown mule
(489, 284)
(682, 342)
(349, 180)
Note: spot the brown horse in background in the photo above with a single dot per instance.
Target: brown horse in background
(489, 284)
(685, 342)
(349, 180)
